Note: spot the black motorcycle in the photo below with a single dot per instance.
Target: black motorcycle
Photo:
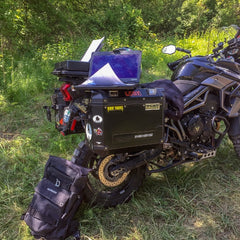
(133, 130)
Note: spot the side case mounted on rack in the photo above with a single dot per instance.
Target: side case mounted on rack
(125, 120)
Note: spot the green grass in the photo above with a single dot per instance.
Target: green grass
(196, 201)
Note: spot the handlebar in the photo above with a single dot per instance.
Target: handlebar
(218, 48)
(173, 65)
(224, 52)
(183, 50)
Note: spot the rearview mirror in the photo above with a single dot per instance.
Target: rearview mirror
(170, 49)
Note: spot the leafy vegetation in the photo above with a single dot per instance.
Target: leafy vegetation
(197, 201)
(36, 23)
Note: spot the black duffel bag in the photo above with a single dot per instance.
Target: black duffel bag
(173, 95)
(56, 199)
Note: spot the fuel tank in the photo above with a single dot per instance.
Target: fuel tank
(195, 69)
(199, 68)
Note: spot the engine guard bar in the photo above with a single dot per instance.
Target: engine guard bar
(221, 134)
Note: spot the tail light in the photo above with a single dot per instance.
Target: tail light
(64, 90)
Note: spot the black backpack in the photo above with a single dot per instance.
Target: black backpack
(56, 199)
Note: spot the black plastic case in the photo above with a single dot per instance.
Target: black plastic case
(72, 65)
(72, 71)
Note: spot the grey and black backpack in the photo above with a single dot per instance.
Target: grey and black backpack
(57, 197)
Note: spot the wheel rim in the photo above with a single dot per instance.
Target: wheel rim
(105, 175)
(95, 192)
(101, 182)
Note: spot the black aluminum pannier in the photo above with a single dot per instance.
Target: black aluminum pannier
(125, 120)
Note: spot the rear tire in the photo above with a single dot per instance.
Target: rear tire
(236, 144)
(120, 188)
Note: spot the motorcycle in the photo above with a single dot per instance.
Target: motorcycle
(133, 130)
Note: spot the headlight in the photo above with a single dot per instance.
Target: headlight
(88, 130)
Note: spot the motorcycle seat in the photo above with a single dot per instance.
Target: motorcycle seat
(185, 86)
